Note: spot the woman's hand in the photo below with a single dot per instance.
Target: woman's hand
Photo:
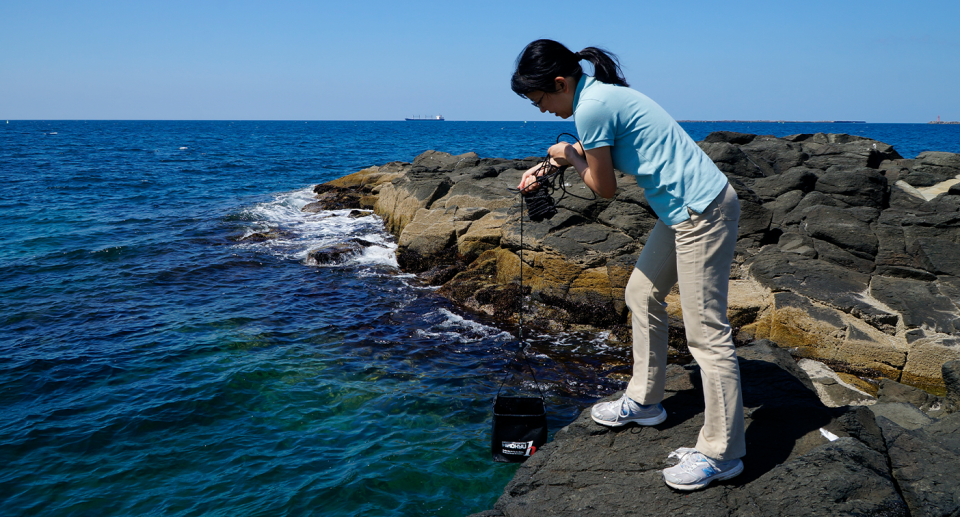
(528, 182)
(558, 153)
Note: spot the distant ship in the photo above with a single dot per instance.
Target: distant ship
(434, 117)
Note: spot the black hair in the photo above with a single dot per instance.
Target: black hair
(542, 61)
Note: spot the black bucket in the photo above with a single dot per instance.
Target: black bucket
(519, 427)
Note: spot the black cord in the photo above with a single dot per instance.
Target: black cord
(540, 201)
(540, 205)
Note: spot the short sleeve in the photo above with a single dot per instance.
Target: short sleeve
(596, 124)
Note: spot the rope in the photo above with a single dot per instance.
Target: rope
(540, 205)
(540, 201)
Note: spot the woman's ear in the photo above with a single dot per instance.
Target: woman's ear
(561, 83)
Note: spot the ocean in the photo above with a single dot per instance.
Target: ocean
(159, 356)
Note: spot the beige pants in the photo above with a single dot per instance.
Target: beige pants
(698, 254)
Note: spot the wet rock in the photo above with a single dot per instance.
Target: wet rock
(336, 253)
(263, 236)
(314, 207)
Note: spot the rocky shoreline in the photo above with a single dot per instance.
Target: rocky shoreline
(847, 252)
(803, 458)
(847, 260)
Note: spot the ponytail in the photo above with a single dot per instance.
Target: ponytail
(542, 61)
(606, 66)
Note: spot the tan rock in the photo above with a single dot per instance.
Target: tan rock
(925, 361)
(484, 234)
(594, 281)
(430, 232)
(865, 347)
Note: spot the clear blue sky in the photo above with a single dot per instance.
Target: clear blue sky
(877, 61)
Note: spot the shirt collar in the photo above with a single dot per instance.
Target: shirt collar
(584, 82)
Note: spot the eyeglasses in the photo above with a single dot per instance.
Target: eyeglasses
(537, 103)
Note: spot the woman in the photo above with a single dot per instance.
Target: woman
(692, 243)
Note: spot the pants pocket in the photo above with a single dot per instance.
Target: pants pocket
(729, 205)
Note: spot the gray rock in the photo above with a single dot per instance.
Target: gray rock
(782, 205)
(852, 259)
(832, 390)
(946, 432)
(732, 160)
(928, 475)
(892, 391)
(901, 413)
(791, 468)
(800, 244)
(812, 201)
(848, 151)
(932, 167)
(335, 253)
(951, 377)
(920, 303)
(819, 280)
(860, 423)
(729, 137)
(849, 228)
(847, 478)
(863, 187)
(774, 155)
(797, 178)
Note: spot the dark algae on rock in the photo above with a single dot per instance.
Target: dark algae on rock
(847, 254)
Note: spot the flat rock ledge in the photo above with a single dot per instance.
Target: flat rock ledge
(847, 253)
(803, 458)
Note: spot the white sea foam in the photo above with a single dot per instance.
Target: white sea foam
(444, 324)
(292, 233)
(577, 342)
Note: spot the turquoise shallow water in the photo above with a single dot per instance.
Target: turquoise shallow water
(152, 363)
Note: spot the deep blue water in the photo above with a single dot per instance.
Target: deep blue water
(153, 363)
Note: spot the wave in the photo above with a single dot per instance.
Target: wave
(447, 325)
(282, 228)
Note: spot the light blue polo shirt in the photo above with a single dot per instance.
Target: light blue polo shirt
(647, 143)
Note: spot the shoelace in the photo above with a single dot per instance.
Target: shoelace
(683, 453)
(624, 408)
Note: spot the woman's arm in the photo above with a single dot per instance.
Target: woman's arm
(596, 168)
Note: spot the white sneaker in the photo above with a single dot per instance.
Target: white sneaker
(697, 471)
(625, 410)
